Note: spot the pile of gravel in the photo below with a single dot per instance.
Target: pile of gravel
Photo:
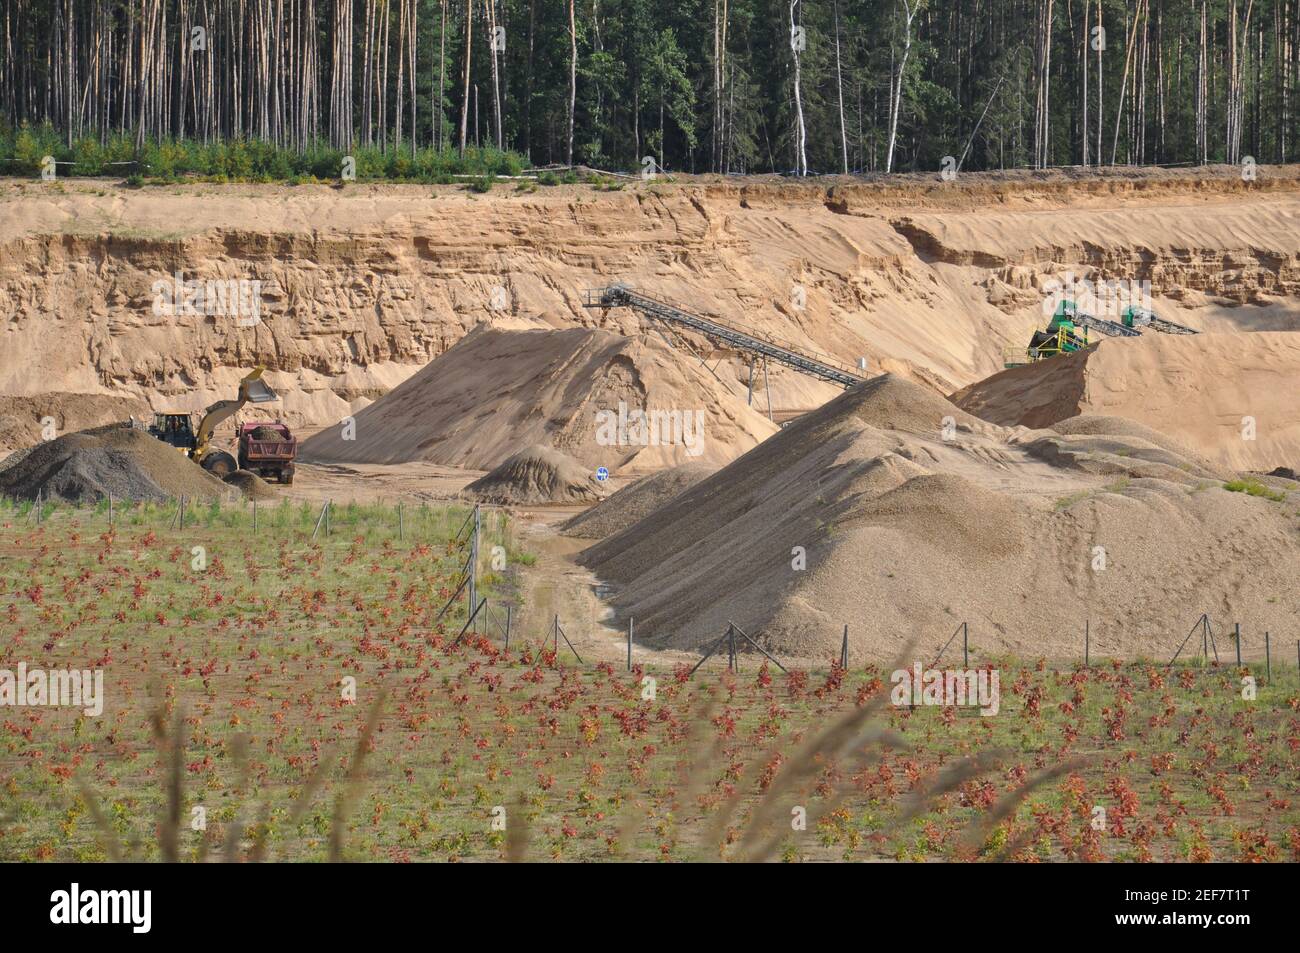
(251, 485)
(113, 460)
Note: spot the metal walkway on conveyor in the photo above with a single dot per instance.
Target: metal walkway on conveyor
(1143, 319)
(619, 296)
(1109, 328)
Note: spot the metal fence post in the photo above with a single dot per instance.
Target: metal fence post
(473, 563)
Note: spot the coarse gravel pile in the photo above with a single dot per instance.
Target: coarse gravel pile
(251, 485)
(113, 460)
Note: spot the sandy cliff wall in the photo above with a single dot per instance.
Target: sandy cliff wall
(362, 286)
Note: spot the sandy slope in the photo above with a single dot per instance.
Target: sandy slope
(1197, 389)
(907, 533)
(635, 501)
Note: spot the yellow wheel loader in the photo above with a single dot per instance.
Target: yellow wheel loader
(178, 429)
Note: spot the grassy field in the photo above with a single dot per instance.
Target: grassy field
(229, 659)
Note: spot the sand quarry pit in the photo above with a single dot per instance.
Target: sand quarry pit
(113, 460)
(903, 530)
(894, 511)
(1197, 389)
(578, 390)
(537, 475)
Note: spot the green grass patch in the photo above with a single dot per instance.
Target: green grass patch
(1253, 487)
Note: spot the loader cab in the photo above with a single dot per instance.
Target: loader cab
(176, 430)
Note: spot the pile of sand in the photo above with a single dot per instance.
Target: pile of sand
(635, 501)
(114, 460)
(538, 475)
(1198, 390)
(869, 512)
(578, 390)
(251, 485)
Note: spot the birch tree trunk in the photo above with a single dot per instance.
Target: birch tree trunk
(573, 78)
(910, 8)
(800, 132)
(464, 100)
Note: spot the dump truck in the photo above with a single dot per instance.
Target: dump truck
(268, 449)
(178, 429)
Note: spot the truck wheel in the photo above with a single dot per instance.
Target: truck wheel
(220, 464)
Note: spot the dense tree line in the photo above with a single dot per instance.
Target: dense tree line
(700, 85)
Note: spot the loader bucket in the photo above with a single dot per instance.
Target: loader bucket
(260, 392)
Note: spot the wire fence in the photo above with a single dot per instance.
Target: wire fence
(462, 527)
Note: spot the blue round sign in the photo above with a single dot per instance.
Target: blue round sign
(602, 474)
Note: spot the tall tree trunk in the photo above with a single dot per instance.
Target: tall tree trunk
(464, 101)
(573, 79)
(896, 88)
(839, 89)
(496, 82)
(800, 130)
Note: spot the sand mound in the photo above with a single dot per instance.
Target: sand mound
(635, 501)
(538, 475)
(1197, 390)
(112, 460)
(578, 390)
(251, 485)
(902, 531)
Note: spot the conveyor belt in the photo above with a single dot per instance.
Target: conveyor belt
(618, 296)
